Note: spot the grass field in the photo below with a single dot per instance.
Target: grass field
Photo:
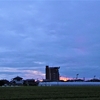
(50, 93)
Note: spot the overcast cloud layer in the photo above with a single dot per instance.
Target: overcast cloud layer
(35, 33)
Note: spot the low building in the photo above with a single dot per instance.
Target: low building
(17, 81)
(30, 82)
(4, 82)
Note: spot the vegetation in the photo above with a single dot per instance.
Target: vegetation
(50, 93)
(2, 82)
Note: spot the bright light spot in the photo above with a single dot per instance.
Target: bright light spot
(64, 78)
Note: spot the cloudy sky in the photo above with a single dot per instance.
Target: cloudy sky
(35, 33)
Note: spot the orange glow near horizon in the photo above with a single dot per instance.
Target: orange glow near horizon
(61, 78)
(64, 78)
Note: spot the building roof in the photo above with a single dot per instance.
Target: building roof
(29, 79)
(54, 67)
(17, 78)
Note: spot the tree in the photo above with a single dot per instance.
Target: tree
(2, 82)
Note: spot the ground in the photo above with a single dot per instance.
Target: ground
(50, 93)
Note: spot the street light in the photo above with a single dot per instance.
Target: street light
(77, 76)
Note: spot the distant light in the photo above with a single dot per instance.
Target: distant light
(64, 78)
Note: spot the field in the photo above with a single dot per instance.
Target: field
(50, 93)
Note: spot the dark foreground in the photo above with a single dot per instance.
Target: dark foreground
(50, 93)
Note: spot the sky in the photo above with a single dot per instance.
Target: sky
(36, 33)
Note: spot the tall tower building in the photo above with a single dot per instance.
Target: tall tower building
(52, 73)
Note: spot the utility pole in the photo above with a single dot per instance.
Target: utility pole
(94, 76)
(77, 76)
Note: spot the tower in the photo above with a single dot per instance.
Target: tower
(52, 73)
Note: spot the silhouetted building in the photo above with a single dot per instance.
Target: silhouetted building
(52, 73)
(17, 81)
(4, 82)
(30, 82)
